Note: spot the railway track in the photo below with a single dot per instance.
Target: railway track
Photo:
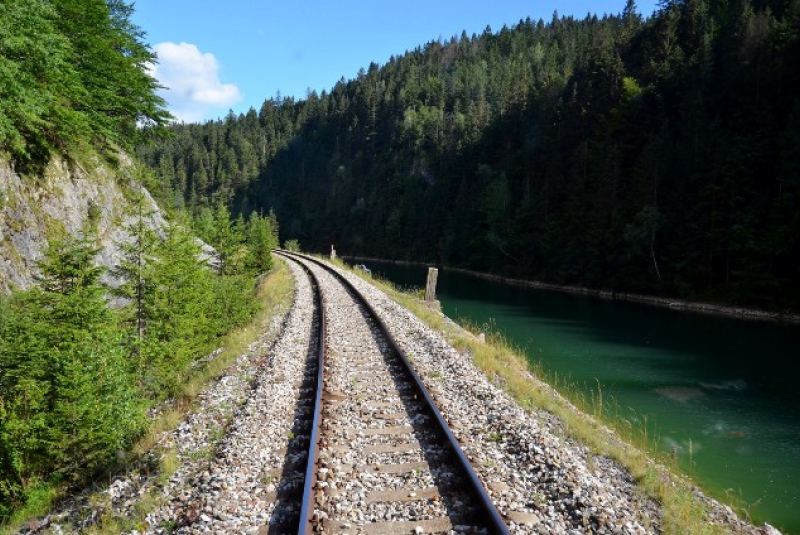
(380, 457)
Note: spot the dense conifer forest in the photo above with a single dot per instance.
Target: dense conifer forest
(657, 155)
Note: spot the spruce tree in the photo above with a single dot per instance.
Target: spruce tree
(69, 397)
(136, 273)
(261, 239)
(179, 311)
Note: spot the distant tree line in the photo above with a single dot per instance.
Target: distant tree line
(657, 155)
(77, 377)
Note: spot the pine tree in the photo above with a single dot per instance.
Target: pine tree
(261, 239)
(179, 311)
(69, 397)
(26, 382)
(223, 238)
(136, 273)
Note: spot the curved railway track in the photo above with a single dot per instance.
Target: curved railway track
(381, 458)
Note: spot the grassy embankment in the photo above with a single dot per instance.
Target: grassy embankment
(588, 419)
(274, 293)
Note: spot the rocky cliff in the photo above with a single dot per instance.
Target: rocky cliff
(66, 198)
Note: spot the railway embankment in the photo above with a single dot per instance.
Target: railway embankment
(494, 382)
(538, 479)
(235, 463)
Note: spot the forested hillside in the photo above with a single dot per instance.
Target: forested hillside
(78, 233)
(657, 155)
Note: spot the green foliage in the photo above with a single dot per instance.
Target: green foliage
(69, 400)
(262, 238)
(228, 241)
(178, 305)
(72, 72)
(178, 322)
(243, 248)
(292, 246)
(653, 155)
(34, 55)
(75, 378)
(242, 245)
(138, 288)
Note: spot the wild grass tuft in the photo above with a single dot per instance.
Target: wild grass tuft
(40, 500)
(168, 466)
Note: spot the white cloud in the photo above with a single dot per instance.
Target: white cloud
(191, 77)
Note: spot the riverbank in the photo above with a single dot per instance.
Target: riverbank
(685, 509)
(663, 302)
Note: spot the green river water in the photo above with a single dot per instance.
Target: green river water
(721, 393)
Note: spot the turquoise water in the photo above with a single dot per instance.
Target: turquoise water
(719, 393)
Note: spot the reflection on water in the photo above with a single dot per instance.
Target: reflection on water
(679, 393)
(737, 385)
(720, 391)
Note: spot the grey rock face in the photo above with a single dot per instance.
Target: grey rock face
(35, 209)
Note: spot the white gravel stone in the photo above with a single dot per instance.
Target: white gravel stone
(521, 456)
(243, 447)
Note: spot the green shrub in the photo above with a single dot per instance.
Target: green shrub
(69, 401)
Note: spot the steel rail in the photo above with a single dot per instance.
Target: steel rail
(307, 509)
(491, 515)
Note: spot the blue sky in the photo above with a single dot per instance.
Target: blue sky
(220, 55)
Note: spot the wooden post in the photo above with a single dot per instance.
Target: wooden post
(333, 253)
(430, 287)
